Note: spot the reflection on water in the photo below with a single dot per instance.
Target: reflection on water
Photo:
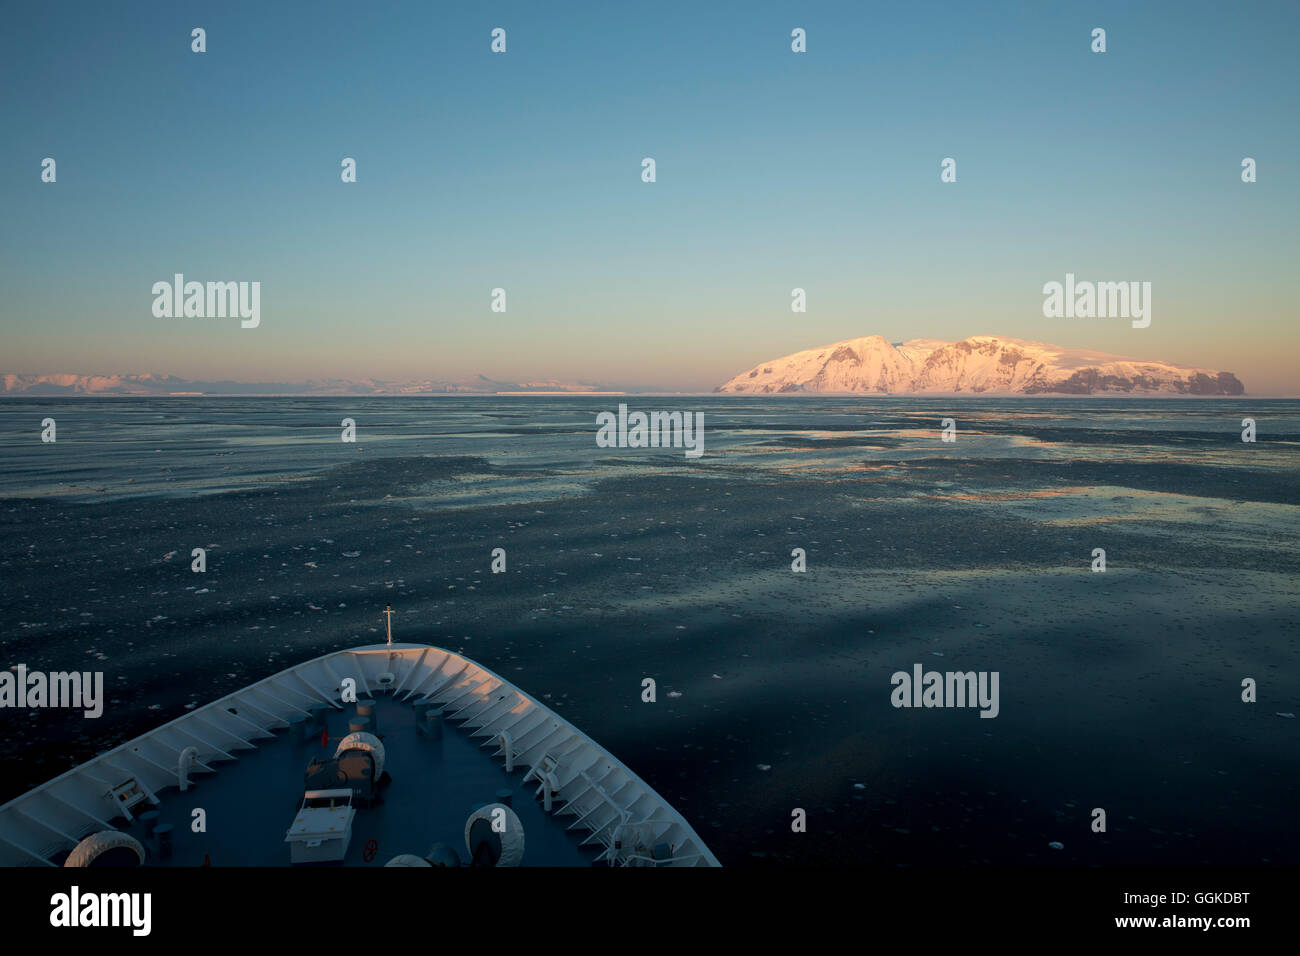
(537, 448)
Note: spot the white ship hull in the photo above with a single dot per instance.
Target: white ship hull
(590, 791)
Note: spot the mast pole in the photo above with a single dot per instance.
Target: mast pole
(388, 618)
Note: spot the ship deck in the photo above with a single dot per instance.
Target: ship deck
(436, 783)
(249, 752)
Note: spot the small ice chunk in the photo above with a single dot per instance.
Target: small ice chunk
(674, 693)
(351, 554)
(765, 766)
(1057, 845)
(1288, 716)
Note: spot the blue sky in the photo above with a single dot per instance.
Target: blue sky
(522, 170)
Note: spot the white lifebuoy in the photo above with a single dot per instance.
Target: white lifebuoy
(508, 745)
(184, 764)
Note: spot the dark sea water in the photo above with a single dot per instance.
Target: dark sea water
(1119, 690)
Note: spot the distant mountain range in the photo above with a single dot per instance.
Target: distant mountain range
(982, 364)
(150, 384)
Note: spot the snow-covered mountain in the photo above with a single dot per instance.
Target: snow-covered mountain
(150, 384)
(985, 364)
(71, 384)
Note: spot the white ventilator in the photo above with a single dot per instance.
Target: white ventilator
(510, 836)
(364, 741)
(96, 845)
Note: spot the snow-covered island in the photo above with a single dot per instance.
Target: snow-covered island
(981, 364)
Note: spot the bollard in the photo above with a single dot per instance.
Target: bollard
(164, 834)
(366, 708)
